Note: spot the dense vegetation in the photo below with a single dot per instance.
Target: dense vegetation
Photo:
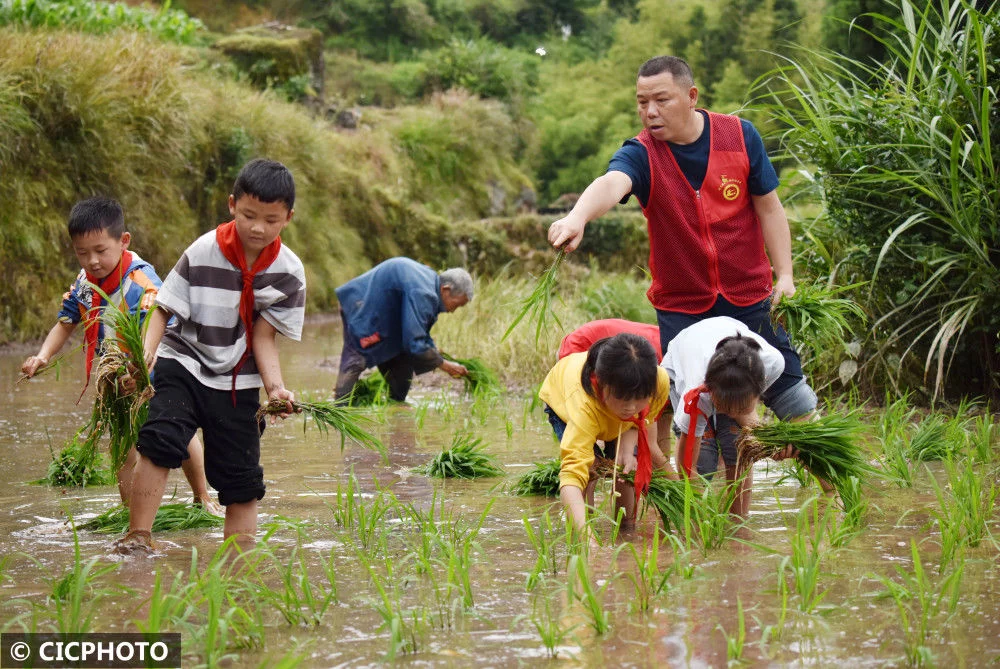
(467, 109)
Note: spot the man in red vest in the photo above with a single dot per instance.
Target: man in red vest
(717, 229)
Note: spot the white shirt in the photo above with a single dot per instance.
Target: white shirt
(687, 359)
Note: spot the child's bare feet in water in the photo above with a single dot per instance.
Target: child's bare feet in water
(136, 542)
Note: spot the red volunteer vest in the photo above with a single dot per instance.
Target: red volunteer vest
(707, 242)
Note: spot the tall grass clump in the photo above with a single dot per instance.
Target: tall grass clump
(931, 440)
(100, 17)
(906, 154)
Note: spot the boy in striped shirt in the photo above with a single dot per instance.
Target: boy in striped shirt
(100, 242)
(231, 293)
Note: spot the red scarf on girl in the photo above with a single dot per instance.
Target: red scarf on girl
(229, 242)
(91, 324)
(644, 461)
(693, 411)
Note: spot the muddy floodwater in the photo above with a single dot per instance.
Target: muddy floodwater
(473, 606)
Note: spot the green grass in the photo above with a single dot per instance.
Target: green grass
(931, 440)
(168, 517)
(819, 316)
(464, 459)
(101, 17)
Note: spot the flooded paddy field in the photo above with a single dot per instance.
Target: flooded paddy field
(362, 561)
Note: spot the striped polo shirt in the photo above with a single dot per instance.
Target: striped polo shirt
(207, 336)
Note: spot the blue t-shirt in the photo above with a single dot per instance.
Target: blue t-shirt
(633, 160)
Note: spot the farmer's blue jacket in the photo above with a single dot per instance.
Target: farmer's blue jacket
(391, 308)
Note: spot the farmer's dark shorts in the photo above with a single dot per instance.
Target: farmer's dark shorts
(559, 427)
(231, 434)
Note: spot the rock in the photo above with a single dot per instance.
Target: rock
(272, 54)
(349, 118)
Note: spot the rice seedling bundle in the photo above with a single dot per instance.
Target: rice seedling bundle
(827, 446)
(121, 413)
(349, 421)
(816, 315)
(168, 517)
(465, 460)
(666, 495)
(372, 390)
(932, 441)
(538, 305)
(481, 381)
(542, 479)
(79, 464)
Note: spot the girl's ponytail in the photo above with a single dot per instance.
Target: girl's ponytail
(735, 374)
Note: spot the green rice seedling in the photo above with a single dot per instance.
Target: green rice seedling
(481, 382)
(794, 470)
(79, 463)
(54, 364)
(508, 426)
(420, 414)
(75, 598)
(965, 507)
(930, 441)
(548, 622)
(982, 438)
(545, 542)
(855, 506)
(166, 608)
(647, 578)
(592, 600)
(168, 517)
(301, 598)
(465, 459)
(920, 601)
(667, 496)
(349, 421)
(542, 479)
(818, 315)
(370, 529)
(402, 628)
(735, 642)
(371, 390)
(345, 512)
(891, 431)
(538, 305)
(827, 446)
(804, 564)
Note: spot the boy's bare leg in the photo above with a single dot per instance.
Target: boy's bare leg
(148, 483)
(124, 475)
(241, 522)
(194, 471)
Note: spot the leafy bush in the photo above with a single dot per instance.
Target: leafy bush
(484, 68)
(101, 17)
(907, 155)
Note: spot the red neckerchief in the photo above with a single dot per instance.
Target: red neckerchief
(644, 461)
(232, 248)
(91, 324)
(693, 411)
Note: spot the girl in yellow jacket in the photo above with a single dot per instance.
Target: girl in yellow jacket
(614, 393)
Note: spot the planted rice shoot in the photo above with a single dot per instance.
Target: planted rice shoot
(348, 420)
(79, 463)
(465, 459)
(931, 440)
(542, 480)
(817, 316)
(168, 517)
(481, 381)
(538, 305)
(372, 390)
(666, 495)
(827, 446)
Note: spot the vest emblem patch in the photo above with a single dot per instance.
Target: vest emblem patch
(730, 188)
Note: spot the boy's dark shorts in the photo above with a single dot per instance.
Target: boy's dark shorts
(231, 433)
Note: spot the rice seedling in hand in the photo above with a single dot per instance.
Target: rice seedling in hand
(465, 459)
(117, 410)
(79, 463)
(349, 421)
(168, 517)
(817, 317)
(538, 306)
(827, 446)
(54, 363)
(372, 390)
(542, 479)
(666, 495)
(481, 381)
